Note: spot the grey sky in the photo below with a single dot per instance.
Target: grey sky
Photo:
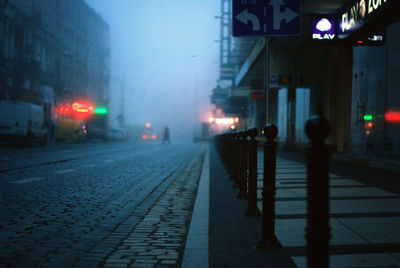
(164, 48)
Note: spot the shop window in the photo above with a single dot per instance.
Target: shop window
(302, 113)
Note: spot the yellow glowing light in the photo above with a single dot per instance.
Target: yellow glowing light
(224, 121)
(232, 127)
(148, 124)
(211, 119)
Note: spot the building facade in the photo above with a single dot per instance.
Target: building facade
(350, 75)
(53, 51)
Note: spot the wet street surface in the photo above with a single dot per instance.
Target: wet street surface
(111, 205)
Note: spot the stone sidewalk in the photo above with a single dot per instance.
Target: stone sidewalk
(364, 219)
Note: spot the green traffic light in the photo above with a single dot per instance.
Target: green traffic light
(100, 110)
(368, 117)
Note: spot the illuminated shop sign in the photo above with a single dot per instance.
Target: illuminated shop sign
(323, 28)
(393, 116)
(223, 120)
(358, 14)
(376, 39)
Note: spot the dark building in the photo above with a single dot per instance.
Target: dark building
(53, 51)
(348, 72)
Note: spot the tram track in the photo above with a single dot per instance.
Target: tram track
(15, 165)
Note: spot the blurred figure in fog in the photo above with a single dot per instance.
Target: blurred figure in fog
(166, 135)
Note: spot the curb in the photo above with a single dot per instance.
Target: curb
(196, 250)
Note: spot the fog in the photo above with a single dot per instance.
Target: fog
(166, 51)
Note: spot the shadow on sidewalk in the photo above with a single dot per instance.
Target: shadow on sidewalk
(233, 237)
(370, 176)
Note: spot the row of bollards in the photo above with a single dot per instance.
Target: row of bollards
(268, 237)
(238, 152)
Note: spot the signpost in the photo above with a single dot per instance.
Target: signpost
(266, 18)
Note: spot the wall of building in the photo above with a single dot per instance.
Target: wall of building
(369, 95)
(393, 83)
(326, 70)
(65, 46)
(376, 91)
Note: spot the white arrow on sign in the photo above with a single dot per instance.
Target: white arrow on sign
(245, 17)
(288, 15)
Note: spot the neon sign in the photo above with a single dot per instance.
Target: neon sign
(76, 110)
(392, 116)
(376, 39)
(368, 117)
(82, 107)
(323, 28)
(358, 14)
(100, 110)
(224, 120)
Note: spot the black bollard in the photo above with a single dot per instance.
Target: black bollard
(243, 165)
(228, 150)
(268, 238)
(252, 209)
(236, 159)
(318, 157)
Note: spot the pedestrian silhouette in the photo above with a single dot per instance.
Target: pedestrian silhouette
(166, 135)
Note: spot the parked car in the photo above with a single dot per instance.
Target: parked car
(22, 121)
(117, 134)
(71, 129)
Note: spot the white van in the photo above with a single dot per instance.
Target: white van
(22, 121)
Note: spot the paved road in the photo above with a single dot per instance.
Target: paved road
(16, 157)
(108, 204)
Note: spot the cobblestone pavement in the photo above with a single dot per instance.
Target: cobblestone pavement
(14, 157)
(102, 208)
(160, 235)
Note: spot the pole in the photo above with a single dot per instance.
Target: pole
(252, 209)
(266, 77)
(196, 93)
(318, 158)
(121, 118)
(268, 239)
(243, 165)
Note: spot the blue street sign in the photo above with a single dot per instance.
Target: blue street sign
(266, 17)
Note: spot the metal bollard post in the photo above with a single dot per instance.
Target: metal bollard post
(221, 148)
(236, 159)
(243, 165)
(228, 154)
(268, 238)
(252, 209)
(318, 157)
